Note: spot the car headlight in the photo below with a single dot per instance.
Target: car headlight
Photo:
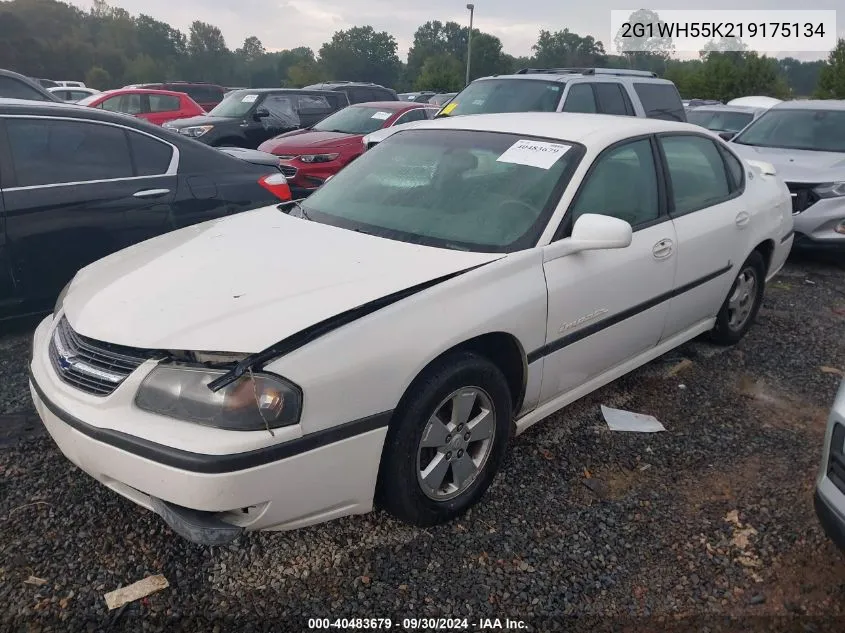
(831, 189)
(195, 131)
(60, 301)
(318, 158)
(253, 403)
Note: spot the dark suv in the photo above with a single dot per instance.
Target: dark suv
(206, 95)
(78, 183)
(247, 118)
(357, 91)
(16, 86)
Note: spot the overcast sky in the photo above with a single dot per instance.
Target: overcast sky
(281, 24)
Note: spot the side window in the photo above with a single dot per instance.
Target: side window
(337, 100)
(430, 113)
(622, 184)
(411, 115)
(612, 99)
(152, 158)
(78, 95)
(696, 172)
(313, 105)
(112, 104)
(580, 99)
(380, 94)
(283, 112)
(130, 104)
(735, 169)
(13, 89)
(53, 151)
(163, 103)
(359, 95)
(660, 101)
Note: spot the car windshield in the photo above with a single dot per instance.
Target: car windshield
(236, 104)
(506, 95)
(720, 121)
(816, 130)
(465, 190)
(355, 120)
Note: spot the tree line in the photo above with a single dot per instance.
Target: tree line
(107, 47)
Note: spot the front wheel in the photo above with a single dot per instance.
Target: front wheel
(446, 442)
(742, 303)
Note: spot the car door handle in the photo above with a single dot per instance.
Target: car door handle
(662, 249)
(151, 193)
(742, 219)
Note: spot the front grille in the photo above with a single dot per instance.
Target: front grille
(92, 366)
(836, 459)
(803, 195)
(288, 172)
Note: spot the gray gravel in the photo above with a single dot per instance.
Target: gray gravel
(709, 520)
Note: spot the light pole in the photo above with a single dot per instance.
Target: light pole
(471, 8)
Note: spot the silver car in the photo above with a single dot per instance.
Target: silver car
(727, 121)
(805, 141)
(830, 485)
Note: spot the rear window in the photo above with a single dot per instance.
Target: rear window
(506, 95)
(661, 101)
(720, 121)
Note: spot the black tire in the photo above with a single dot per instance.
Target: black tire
(398, 490)
(723, 333)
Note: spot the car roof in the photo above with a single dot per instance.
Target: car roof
(62, 109)
(310, 91)
(719, 107)
(603, 129)
(144, 91)
(811, 104)
(564, 77)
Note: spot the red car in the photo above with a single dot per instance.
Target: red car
(310, 156)
(155, 106)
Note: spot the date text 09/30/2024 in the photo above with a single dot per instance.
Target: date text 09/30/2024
(426, 624)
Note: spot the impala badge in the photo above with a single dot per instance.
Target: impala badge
(582, 320)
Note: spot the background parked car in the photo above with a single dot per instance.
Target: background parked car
(155, 106)
(79, 183)
(205, 94)
(310, 156)
(443, 98)
(830, 484)
(588, 90)
(71, 94)
(358, 92)
(71, 84)
(45, 83)
(15, 86)
(416, 97)
(247, 118)
(754, 102)
(722, 119)
(805, 141)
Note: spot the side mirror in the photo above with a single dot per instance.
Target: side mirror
(261, 113)
(727, 135)
(592, 232)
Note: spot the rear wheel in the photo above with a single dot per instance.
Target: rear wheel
(742, 303)
(446, 441)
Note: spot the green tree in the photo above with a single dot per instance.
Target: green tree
(563, 49)
(98, 78)
(252, 50)
(441, 73)
(361, 54)
(436, 38)
(832, 75)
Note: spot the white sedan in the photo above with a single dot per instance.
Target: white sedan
(383, 340)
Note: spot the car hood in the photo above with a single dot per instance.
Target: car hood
(308, 140)
(797, 165)
(202, 119)
(242, 283)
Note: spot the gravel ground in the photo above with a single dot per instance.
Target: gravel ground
(708, 526)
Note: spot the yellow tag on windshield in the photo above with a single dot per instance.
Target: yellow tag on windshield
(448, 108)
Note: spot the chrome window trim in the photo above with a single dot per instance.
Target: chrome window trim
(172, 168)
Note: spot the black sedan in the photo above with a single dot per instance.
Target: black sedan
(78, 183)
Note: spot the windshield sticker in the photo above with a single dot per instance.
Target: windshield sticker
(533, 153)
(381, 116)
(249, 98)
(448, 109)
